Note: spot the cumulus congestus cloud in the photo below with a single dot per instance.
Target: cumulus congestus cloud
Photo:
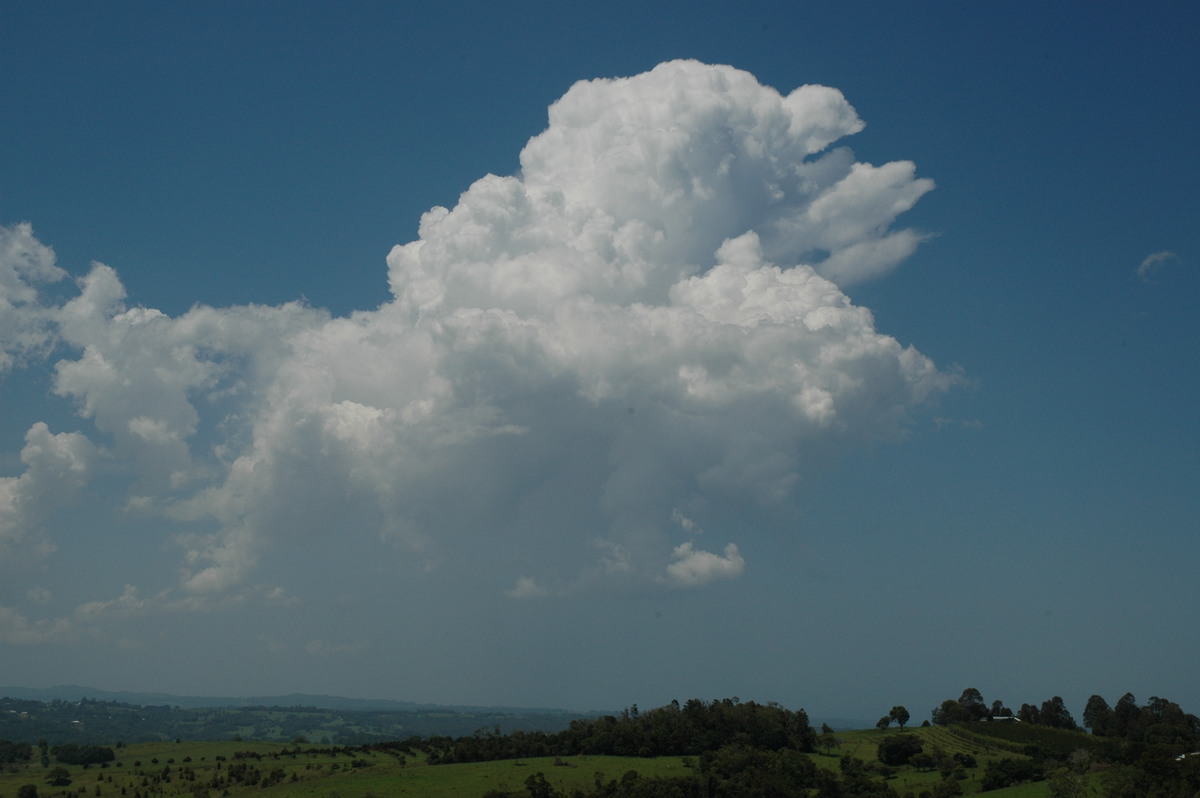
(24, 321)
(646, 324)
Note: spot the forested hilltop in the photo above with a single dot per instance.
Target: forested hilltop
(725, 748)
(747, 749)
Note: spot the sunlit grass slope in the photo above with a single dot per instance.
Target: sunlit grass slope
(272, 769)
(234, 768)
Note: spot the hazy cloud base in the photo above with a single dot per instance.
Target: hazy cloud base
(590, 366)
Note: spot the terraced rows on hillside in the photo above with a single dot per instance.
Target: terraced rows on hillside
(948, 739)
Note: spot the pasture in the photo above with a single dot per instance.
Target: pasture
(235, 768)
(217, 769)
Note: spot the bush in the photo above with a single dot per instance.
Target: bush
(72, 754)
(898, 749)
(1007, 772)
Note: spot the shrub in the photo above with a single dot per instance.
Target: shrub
(898, 749)
(1007, 772)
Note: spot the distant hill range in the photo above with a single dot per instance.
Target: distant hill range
(85, 715)
(74, 692)
(75, 713)
(842, 724)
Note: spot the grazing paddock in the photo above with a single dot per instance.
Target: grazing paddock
(279, 770)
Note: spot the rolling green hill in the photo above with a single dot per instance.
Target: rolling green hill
(720, 749)
(234, 768)
(280, 771)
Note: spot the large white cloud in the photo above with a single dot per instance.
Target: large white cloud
(56, 468)
(649, 317)
(25, 263)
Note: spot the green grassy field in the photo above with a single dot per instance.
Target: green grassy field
(198, 769)
(864, 743)
(215, 769)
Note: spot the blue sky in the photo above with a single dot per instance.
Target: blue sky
(505, 463)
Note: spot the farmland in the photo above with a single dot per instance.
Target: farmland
(166, 769)
(720, 749)
(237, 768)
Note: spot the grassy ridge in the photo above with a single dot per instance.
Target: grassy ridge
(864, 743)
(188, 769)
(164, 769)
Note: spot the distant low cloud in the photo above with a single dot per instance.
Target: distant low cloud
(685, 523)
(527, 588)
(650, 316)
(17, 629)
(691, 567)
(1152, 264)
(90, 619)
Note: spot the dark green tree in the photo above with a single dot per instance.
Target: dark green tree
(1098, 717)
(1127, 717)
(900, 715)
(921, 761)
(949, 712)
(11, 753)
(27, 791)
(883, 723)
(945, 789)
(1001, 773)
(972, 703)
(1055, 715)
(736, 770)
(538, 786)
(1071, 780)
(1123, 781)
(827, 739)
(898, 749)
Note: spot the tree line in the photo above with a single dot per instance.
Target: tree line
(1157, 721)
(750, 750)
(1146, 751)
(687, 729)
